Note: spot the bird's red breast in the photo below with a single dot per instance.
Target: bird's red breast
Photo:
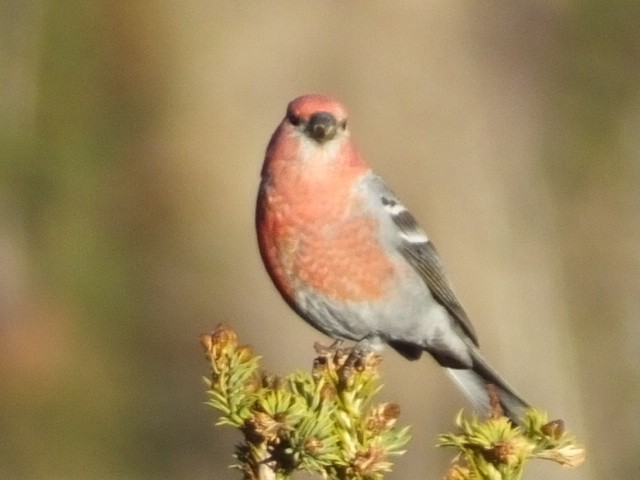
(313, 230)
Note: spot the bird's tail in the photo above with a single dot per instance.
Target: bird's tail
(476, 384)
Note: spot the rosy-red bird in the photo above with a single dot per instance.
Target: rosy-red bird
(347, 256)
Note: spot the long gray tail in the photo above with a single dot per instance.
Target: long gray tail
(473, 382)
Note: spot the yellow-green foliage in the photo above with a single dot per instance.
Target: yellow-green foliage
(497, 449)
(324, 421)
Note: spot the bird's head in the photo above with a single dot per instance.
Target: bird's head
(313, 141)
(318, 118)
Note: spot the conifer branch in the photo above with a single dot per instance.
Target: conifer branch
(326, 421)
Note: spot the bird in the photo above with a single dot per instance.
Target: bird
(349, 258)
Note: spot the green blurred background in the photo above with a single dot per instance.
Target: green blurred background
(131, 139)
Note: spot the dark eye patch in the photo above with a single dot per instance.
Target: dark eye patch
(294, 120)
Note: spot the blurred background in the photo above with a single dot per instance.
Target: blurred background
(131, 140)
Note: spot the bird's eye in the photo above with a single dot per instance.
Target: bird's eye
(295, 120)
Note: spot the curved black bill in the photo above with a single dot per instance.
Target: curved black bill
(322, 127)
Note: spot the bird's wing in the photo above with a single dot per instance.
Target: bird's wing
(420, 253)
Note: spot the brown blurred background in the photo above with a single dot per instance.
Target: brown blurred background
(131, 139)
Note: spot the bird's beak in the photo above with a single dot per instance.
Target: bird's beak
(322, 127)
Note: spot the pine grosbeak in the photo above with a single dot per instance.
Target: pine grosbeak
(348, 257)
